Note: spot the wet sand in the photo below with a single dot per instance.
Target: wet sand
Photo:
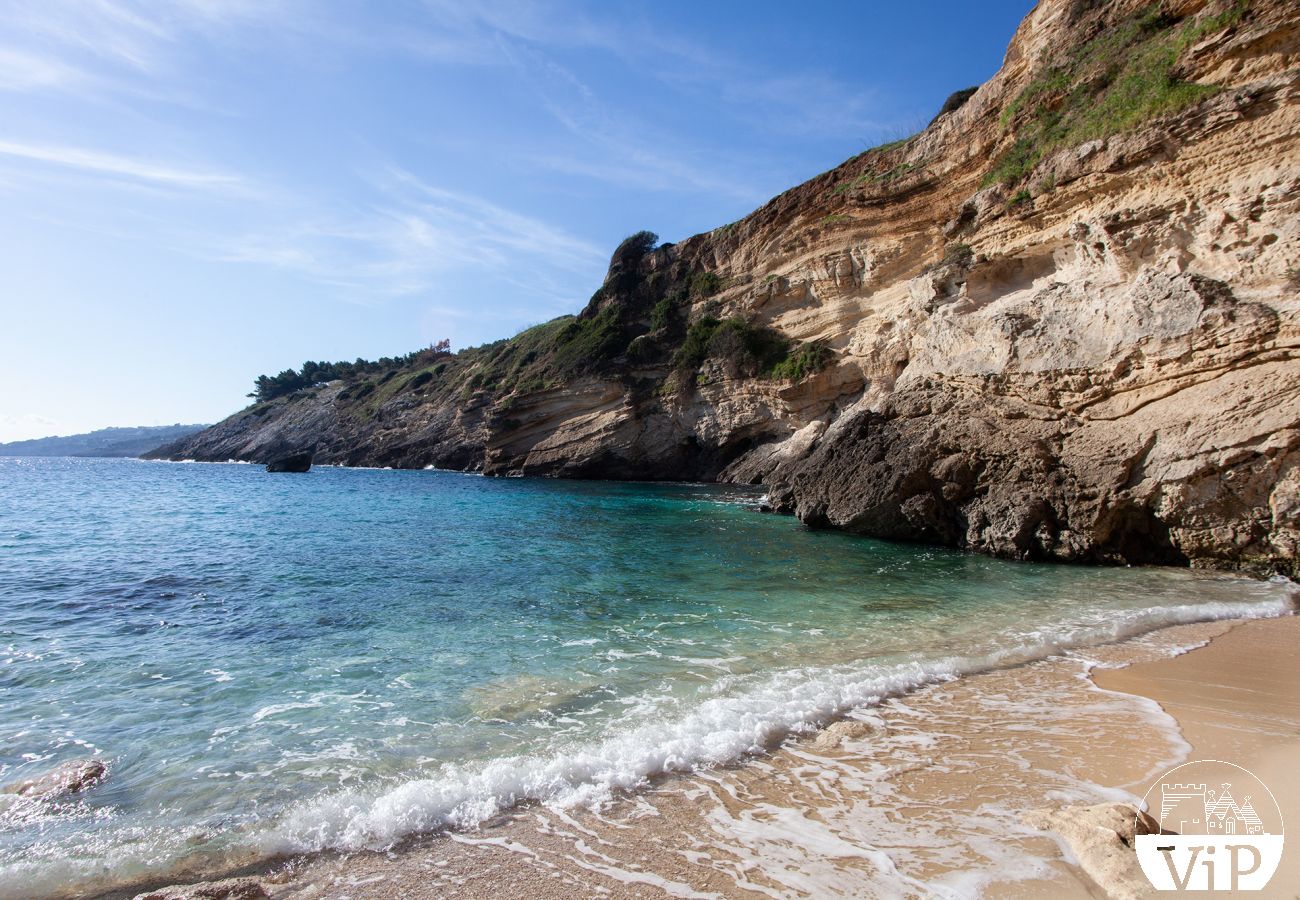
(929, 794)
(1238, 700)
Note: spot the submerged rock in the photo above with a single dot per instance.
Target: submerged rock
(64, 780)
(294, 462)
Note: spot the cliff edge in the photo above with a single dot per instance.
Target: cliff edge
(1059, 323)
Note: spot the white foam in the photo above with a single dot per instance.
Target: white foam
(717, 730)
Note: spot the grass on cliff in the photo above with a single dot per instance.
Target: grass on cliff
(1114, 83)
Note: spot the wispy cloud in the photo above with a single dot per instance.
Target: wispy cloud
(97, 162)
(616, 146)
(22, 71)
(421, 231)
(799, 99)
(111, 44)
(102, 29)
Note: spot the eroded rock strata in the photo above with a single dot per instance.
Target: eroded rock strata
(1059, 323)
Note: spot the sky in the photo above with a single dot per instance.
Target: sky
(196, 192)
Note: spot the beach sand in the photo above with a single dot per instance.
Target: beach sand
(1238, 700)
(929, 794)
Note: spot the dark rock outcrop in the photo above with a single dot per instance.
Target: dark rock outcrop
(294, 462)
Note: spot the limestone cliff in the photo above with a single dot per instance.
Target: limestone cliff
(1060, 323)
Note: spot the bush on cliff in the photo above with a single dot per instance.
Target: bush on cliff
(635, 246)
(748, 350)
(806, 359)
(706, 284)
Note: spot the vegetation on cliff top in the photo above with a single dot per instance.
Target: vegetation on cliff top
(1124, 77)
(637, 328)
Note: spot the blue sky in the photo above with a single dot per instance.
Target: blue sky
(199, 191)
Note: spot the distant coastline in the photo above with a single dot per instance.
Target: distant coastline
(111, 442)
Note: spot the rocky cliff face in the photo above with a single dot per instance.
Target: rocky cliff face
(1060, 323)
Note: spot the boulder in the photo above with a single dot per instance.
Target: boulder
(294, 462)
(1101, 839)
(225, 889)
(64, 780)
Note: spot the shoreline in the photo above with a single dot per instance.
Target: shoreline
(1237, 699)
(837, 811)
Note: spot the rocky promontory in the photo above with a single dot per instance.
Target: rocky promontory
(1059, 323)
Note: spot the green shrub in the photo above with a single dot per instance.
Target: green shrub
(806, 360)
(665, 313)
(643, 349)
(660, 315)
(695, 348)
(750, 350)
(531, 385)
(956, 100)
(586, 342)
(705, 284)
(635, 246)
(1015, 163)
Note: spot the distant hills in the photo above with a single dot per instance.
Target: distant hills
(104, 442)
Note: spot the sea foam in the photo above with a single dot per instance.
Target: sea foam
(718, 730)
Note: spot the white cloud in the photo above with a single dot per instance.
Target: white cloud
(418, 231)
(96, 162)
(110, 43)
(21, 71)
(797, 100)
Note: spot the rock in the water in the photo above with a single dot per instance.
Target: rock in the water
(1101, 839)
(66, 779)
(294, 462)
(226, 889)
(835, 734)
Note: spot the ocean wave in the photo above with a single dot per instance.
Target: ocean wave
(718, 730)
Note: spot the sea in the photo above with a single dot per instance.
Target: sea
(285, 663)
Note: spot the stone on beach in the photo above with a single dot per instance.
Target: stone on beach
(835, 734)
(225, 889)
(1101, 837)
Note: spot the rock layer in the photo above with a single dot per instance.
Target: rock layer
(1094, 359)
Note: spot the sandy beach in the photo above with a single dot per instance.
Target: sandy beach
(1237, 699)
(941, 792)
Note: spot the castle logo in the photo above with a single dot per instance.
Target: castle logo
(1220, 829)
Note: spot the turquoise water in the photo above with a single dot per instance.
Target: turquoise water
(274, 663)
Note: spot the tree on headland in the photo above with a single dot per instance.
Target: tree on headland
(268, 387)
